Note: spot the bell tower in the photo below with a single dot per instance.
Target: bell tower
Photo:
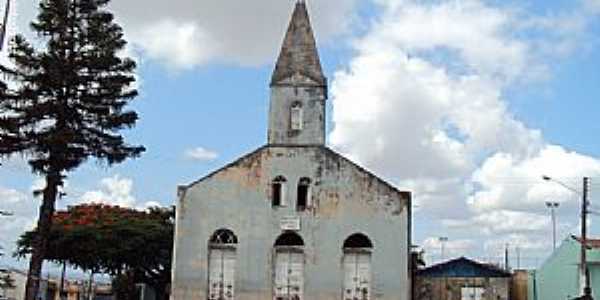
(298, 87)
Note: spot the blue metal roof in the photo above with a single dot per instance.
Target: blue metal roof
(462, 267)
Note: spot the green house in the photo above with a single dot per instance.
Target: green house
(558, 278)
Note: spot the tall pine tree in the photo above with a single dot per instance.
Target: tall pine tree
(64, 102)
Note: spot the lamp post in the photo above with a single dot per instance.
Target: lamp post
(587, 289)
(553, 206)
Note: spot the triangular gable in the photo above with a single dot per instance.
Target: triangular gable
(365, 171)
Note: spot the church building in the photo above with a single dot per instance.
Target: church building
(293, 220)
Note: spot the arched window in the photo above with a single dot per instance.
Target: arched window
(278, 191)
(221, 265)
(303, 199)
(288, 283)
(296, 116)
(289, 239)
(357, 267)
(223, 237)
(358, 241)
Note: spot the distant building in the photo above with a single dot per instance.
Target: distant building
(293, 220)
(49, 289)
(462, 279)
(558, 278)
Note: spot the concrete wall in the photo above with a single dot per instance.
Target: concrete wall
(449, 288)
(313, 106)
(347, 200)
(520, 282)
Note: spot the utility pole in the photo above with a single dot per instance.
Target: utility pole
(584, 277)
(506, 258)
(587, 289)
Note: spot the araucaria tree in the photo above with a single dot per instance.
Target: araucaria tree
(64, 101)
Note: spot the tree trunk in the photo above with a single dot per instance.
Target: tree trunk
(53, 181)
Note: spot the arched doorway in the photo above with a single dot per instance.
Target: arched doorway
(357, 267)
(288, 283)
(222, 258)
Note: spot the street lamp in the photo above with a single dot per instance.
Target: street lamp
(442, 240)
(587, 289)
(553, 206)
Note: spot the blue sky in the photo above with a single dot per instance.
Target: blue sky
(466, 103)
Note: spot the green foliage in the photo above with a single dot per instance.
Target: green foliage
(69, 97)
(63, 100)
(112, 240)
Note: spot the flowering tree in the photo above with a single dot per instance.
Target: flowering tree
(128, 244)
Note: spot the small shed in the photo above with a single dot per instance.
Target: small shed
(462, 279)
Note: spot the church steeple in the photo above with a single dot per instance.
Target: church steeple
(299, 55)
(298, 88)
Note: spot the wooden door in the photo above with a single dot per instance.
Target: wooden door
(221, 274)
(357, 276)
(289, 275)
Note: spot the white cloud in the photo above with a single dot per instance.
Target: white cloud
(201, 154)
(503, 222)
(187, 33)
(439, 120)
(184, 34)
(422, 102)
(23, 211)
(452, 248)
(114, 191)
(475, 31)
(181, 44)
(508, 183)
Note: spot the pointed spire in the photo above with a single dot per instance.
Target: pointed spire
(299, 55)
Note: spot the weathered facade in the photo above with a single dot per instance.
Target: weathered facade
(462, 279)
(293, 220)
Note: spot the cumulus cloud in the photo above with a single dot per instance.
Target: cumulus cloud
(452, 248)
(422, 102)
(201, 154)
(183, 34)
(503, 222)
(438, 118)
(508, 183)
(114, 191)
(187, 33)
